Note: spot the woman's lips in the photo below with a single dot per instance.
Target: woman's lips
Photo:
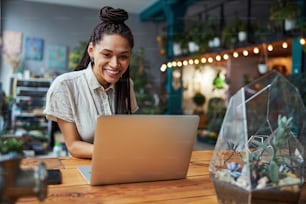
(112, 72)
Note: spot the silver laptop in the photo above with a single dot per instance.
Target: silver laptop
(139, 148)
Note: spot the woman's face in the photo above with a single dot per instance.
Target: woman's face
(111, 58)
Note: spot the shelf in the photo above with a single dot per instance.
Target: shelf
(27, 112)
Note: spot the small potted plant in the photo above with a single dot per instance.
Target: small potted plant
(10, 145)
(242, 32)
(229, 36)
(199, 99)
(283, 15)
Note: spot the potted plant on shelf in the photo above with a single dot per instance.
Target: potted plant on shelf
(199, 99)
(229, 36)
(9, 145)
(259, 154)
(241, 27)
(179, 44)
(283, 15)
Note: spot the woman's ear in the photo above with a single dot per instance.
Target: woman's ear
(90, 49)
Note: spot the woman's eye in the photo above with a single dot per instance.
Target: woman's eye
(107, 55)
(124, 57)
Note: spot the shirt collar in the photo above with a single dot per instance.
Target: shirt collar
(92, 80)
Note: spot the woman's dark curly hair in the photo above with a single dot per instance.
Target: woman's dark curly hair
(112, 22)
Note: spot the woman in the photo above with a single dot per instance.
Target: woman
(100, 84)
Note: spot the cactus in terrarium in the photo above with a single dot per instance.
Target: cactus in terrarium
(273, 161)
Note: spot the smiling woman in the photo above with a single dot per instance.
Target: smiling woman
(100, 84)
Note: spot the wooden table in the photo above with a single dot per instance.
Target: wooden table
(196, 188)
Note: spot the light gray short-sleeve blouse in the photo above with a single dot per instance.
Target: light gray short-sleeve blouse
(79, 98)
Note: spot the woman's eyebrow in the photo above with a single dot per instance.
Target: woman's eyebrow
(122, 52)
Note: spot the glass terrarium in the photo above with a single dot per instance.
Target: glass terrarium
(259, 153)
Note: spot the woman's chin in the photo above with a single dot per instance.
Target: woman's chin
(112, 80)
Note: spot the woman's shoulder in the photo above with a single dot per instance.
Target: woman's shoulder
(67, 78)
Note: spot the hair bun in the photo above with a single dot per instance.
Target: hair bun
(109, 14)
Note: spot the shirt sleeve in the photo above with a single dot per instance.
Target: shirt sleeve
(58, 102)
(134, 105)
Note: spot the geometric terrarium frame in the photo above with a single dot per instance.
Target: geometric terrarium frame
(259, 155)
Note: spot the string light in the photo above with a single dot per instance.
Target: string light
(256, 50)
(179, 64)
(225, 56)
(203, 60)
(245, 53)
(218, 58)
(163, 67)
(302, 41)
(235, 54)
(185, 62)
(285, 45)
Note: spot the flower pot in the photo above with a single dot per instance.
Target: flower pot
(262, 68)
(193, 47)
(289, 24)
(216, 42)
(211, 43)
(177, 50)
(242, 36)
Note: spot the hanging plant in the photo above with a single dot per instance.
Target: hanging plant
(218, 82)
(280, 11)
(199, 99)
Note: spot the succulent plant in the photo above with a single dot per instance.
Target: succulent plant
(271, 161)
(8, 145)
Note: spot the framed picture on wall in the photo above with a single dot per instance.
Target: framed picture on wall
(57, 57)
(12, 42)
(34, 48)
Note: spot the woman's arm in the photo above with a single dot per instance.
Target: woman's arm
(75, 146)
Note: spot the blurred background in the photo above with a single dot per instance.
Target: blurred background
(190, 56)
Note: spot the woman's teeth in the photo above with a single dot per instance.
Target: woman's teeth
(112, 71)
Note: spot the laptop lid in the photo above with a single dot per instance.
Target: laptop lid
(137, 148)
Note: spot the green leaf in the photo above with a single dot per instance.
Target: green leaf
(274, 171)
(10, 145)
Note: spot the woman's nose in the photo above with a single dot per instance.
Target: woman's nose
(114, 62)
